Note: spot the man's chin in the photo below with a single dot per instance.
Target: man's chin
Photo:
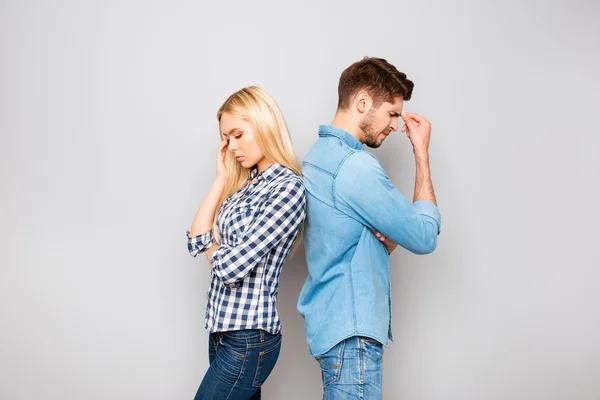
(374, 143)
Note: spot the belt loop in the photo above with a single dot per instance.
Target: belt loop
(262, 335)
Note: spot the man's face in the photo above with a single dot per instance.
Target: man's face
(380, 122)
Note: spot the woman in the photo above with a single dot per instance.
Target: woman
(246, 226)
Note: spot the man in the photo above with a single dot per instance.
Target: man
(356, 218)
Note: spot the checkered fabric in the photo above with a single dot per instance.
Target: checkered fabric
(258, 226)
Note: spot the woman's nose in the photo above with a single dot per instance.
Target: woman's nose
(232, 146)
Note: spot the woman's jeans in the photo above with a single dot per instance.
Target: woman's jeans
(240, 362)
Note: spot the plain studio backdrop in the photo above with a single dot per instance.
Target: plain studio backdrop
(108, 143)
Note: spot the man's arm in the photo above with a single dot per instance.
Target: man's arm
(418, 130)
(364, 192)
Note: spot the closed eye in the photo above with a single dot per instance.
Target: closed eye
(236, 132)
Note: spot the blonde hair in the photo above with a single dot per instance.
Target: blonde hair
(272, 137)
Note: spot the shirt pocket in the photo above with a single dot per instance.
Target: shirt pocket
(240, 219)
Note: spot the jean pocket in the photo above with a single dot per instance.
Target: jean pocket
(267, 358)
(228, 362)
(237, 347)
(331, 363)
(371, 348)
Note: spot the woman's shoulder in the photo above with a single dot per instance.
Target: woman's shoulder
(287, 176)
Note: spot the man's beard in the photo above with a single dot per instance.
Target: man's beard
(371, 135)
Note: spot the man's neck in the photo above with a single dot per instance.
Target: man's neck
(345, 122)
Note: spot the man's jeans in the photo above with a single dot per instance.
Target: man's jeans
(240, 362)
(353, 369)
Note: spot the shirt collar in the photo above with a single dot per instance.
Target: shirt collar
(268, 174)
(330, 130)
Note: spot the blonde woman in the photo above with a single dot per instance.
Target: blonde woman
(246, 227)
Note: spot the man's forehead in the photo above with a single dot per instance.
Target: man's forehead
(396, 105)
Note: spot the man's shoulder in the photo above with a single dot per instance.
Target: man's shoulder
(359, 160)
(359, 174)
(328, 154)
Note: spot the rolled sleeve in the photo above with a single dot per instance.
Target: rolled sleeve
(429, 210)
(201, 243)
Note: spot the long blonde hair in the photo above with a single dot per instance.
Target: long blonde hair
(272, 137)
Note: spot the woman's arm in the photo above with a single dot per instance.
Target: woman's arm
(206, 213)
(280, 216)
(200, 235)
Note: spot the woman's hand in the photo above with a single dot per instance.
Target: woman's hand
(222, 172)
(209, 253)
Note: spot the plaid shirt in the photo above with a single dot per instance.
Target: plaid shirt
(258, 226)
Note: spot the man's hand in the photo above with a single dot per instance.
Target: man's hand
(418, 130)
(389, 245)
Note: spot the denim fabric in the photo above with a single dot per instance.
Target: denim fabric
(240, 362)
(347, 291)
(352, 369)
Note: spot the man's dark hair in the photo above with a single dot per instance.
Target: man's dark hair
(379, 78)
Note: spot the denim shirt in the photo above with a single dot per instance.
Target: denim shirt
(347, 291)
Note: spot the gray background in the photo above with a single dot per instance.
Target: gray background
(108, 141)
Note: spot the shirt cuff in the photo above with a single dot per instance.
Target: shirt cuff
(429, 211)
(224, 279)
(200, 243)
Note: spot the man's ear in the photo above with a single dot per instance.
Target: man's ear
(362, 102)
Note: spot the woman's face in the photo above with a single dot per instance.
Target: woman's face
(242, 142)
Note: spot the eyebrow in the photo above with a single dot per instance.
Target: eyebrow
(231, 131)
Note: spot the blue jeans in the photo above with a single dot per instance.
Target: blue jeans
(353, 369)
(240, 362)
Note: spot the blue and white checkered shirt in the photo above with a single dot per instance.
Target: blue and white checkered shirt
(258, 226)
